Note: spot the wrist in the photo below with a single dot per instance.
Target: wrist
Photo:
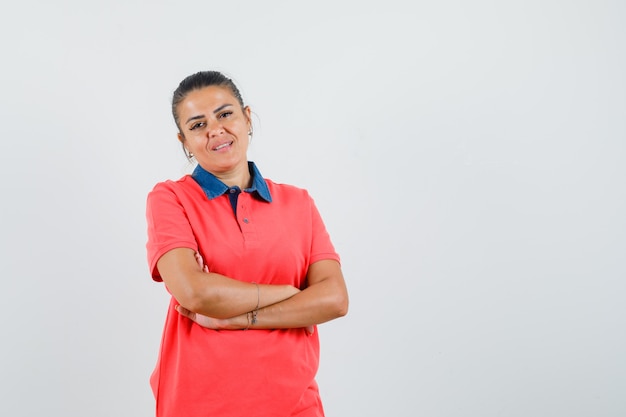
(241, 322)
(290, 291)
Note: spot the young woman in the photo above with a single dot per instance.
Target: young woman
(250, 267)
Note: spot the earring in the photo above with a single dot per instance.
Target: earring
(189, 154)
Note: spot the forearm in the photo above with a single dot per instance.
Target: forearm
(218, 296)
(212, 294)
(319, 303)
(315, 305)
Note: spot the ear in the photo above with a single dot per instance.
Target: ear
(181, 138)
(248, 113)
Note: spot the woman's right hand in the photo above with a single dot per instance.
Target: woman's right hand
(201, 262)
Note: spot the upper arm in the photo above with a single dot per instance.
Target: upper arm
(168, 226)
(323, 270)
(328, 277)
(179, 270)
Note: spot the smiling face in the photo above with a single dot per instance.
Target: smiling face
(214, 127)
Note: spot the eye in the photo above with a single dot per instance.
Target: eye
(225, 114)
(197, 125)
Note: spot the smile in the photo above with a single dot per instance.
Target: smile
(222, 146)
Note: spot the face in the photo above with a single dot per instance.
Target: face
(215, 129)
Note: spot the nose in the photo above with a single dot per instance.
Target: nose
(215, 128)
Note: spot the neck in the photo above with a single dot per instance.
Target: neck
(239, 177)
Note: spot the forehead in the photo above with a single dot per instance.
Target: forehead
(206, 99)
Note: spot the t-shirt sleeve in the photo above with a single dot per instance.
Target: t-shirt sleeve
(321, 245)
(168, 225)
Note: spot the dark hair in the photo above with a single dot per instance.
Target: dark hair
(200, 80)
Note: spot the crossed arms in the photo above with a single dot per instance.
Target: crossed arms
(219, 302)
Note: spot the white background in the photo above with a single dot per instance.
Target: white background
(467, 157)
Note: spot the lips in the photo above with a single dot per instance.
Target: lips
(222, 145)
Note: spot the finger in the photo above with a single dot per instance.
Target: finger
(199, 259)
(310, 330)
(186, 313)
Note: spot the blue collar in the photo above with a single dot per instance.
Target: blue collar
(213, 187)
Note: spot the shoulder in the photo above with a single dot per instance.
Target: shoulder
(182, 191)
(184, 184)
(281, 191)
(173, 184)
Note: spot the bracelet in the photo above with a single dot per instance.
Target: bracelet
(258, 301)
(248, 317)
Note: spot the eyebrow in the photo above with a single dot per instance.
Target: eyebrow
(200, 116)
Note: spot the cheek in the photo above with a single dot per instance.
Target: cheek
(197, 142)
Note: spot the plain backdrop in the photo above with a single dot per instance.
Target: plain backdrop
(467, 158)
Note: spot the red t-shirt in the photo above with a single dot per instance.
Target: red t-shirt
(203, 372)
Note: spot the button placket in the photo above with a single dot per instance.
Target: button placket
(245, 218)
(242, 210)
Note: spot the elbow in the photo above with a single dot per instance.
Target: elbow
(193, 303)
(344, 307)
(340, 301)
(340, 305)
(192, 299)
(188, 299)
(208, 303)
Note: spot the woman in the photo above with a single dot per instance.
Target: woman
(250, 267)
